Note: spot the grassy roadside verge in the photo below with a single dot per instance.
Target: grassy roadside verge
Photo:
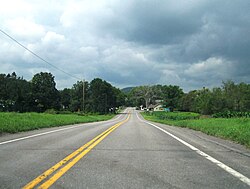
(17, 122)
(235, 129)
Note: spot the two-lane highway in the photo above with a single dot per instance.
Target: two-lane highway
(126, 152)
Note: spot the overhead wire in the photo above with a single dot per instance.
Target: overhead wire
(36, 55)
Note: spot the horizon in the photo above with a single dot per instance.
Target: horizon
(122, 88)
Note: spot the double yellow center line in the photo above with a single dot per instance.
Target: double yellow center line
(69, 161)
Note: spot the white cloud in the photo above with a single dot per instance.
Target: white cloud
(24, 28)
(85, 13)
(209, 73)
(13, 7)
(52, 38)
(213, 65)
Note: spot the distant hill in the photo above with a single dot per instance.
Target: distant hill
(127, 89)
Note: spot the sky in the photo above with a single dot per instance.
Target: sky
(189, 43)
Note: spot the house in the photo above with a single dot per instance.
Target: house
(158, 108)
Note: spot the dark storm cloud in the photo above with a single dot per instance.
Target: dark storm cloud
(190, 43)
(196, 29)
(188, 32)
(154, 22)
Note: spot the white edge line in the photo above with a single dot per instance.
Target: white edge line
(45, 133)
(40, 134)
(228, 169)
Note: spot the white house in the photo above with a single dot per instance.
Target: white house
(158, 108)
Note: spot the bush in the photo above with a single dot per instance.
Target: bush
(230, 114)
(51, 111)
(65, 112)
(176, 115)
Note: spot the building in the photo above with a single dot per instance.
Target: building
(157, 108)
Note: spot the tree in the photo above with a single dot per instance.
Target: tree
(40, 94)
(230, 97)
(76, 103)
(203, 101)
(186, 102)
(101, 96)
(44, 92)
(244, 104)
(218, 101)
(23, 97)
(147, 93)
(171, 96)
(238, 98)
(119, 96)
(65, 96)
(14, 93)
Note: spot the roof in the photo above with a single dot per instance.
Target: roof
(154, 105)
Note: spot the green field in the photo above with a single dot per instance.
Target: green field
(17, 122)
(235, 129)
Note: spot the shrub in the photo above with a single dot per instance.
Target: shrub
(230, 114)
(51, 111)
(176, 115)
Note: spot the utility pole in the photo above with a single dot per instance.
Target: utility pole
(83, 94)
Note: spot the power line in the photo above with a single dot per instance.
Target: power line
(39, 57)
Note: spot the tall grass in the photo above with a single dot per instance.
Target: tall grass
(174, 115)
(16, 122)
(235, 129)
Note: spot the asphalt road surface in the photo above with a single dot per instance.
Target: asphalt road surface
(126, 152)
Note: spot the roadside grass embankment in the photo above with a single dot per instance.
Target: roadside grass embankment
(235, 129)
(16, 122)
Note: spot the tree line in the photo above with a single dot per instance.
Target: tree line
(229, 97)
(40, 94)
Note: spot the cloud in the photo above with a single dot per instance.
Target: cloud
(187, 43)
(128, 65)
(208, 66)
(89, 53)
(155, 22)
(24, 28)
(12, 7)
(52, 38)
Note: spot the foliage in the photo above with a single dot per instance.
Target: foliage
(75, 95)
(174, 115)
(145, 95)
(230, 97)
(102, 96)
(40, 94)
(16, 122)
(230, 114)
(14, 93)
(51, 111)
(236, 129)
(44, 92)
(65, 95)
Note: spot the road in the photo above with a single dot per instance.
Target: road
(126, 152)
